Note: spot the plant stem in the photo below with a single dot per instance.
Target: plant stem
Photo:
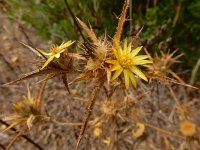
(24, 136)
(66, 123)
(88, 113)
(74, 19)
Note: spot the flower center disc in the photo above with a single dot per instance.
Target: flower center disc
(55, 50)
(126, 62)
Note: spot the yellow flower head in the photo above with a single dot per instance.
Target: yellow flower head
(127, 61)
(55, 52)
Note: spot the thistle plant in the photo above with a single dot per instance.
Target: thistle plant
(162, 64)
(103, 60)
(96, 52)
(27, 112)
(62, 66)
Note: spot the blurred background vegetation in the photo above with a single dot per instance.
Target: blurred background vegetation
(167, 24)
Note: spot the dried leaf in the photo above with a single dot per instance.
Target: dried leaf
(88, 30)
(167, 79)
(139, 129)
(35, 73)
(34, 50)
(30, 121)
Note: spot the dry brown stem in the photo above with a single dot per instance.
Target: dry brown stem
(122, 20)
(88, 113)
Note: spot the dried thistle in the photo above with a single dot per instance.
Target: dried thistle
(96, 52)
(61, 66)
(27, 111)
(114, 120)
(100, 49)
(162, 64)
(115, 107)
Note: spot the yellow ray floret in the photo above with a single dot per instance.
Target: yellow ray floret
(55, 52)
(127, 62)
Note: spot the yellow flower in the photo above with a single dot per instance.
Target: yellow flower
(55, 52)
(126, 61)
